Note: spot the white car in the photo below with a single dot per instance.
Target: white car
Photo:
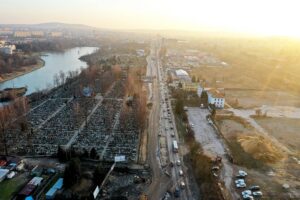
(180, 172)
(246, 192)
(178, 162)
(242, 173)
(248, 197)
(182, 184)
(240, 181)
(241, 185)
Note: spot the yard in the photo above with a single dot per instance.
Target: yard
(8, 188)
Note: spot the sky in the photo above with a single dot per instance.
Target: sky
(268, 17)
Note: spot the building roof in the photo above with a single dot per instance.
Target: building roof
(27, 190)
(3, 172)
(57, 186)
(59, 183)
(36, 181)
(181, 72)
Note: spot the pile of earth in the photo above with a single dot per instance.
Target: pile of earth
(260, 148)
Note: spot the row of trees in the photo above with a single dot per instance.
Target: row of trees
(13, 115)
(11, 63)
(50, 45)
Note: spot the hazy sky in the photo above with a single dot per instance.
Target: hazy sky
(275, 17)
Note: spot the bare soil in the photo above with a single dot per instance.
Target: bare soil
(283, 129)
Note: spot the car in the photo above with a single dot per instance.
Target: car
(240, 181)
(248, 197)
(182, 184)
(242, 173)
(254, 187)
(171, 164)
(180, 172)
(257, 194)
(246, 192)
(178, 162)
(176, 192)
(241, 185)
(216, 168)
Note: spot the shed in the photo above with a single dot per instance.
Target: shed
(57, 186)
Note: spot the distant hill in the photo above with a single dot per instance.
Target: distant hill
(50, 25)
(57, 25)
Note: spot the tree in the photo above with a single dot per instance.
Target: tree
(72, 173)
(193, 79)
(213, 113)
(61, 154)
(179, 85)
(204, 98)
(179, 107)
(85, 154)
(93, 153)
(258, 112)
(98, 175)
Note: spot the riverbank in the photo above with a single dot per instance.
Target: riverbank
(24, 70)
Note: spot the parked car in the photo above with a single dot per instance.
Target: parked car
(246, 192)
(242, 173)
(239, 181)
(248, 197)
(182, 184)
(257, 194)
(176, 192)
(241, 185)
(254, 188)
(180, 172)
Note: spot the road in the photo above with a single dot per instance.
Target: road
(159, 181)
(161, 120)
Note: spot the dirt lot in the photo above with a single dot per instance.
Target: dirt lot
(253, 98)
(265, 163)
(283, 129)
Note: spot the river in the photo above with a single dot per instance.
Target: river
(54, 63)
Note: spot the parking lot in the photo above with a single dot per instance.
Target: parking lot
(204, 132)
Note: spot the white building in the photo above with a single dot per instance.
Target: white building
(182, 75)
(216, 98)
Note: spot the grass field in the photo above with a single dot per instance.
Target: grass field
(10, 187)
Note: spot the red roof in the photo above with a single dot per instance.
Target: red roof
(2, 163)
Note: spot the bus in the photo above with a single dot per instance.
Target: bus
(175, 146)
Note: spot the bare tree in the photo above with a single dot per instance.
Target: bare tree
(62, 77)
(56, 82)
(6, 117)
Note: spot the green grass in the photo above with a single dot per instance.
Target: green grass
(10, 187)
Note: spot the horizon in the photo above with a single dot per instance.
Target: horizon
(266, 18)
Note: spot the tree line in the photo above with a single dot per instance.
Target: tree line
(11, 63)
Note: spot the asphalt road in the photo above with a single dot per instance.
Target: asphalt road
(160, 182)
(162, 121)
